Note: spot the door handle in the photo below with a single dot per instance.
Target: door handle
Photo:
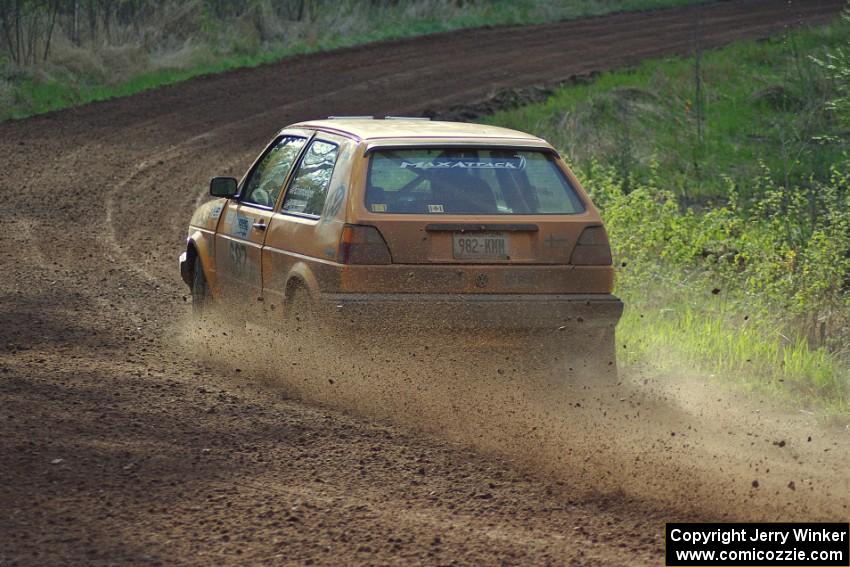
(260, 226)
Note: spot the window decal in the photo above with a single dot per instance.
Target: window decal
(513, 163)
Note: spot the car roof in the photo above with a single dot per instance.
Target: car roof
(366, 129)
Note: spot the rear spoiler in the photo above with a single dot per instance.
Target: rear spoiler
(501, 144)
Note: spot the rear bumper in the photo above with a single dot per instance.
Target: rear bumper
(470, 311)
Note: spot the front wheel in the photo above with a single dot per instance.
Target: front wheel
(201, 296)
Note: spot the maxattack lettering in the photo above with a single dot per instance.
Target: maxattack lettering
(512, 163)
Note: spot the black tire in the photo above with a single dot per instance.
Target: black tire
(200, 289)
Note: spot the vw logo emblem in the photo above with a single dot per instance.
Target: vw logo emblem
(481, 280)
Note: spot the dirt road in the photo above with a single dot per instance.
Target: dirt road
(121, 443)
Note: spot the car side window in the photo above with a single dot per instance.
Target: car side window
(267, 179)
(309, 187)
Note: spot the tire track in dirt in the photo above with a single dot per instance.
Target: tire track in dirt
(118, 447)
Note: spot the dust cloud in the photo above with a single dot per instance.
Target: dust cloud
(681, 443)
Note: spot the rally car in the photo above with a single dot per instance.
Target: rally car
(416, 222)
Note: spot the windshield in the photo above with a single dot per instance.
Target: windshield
(468, 181)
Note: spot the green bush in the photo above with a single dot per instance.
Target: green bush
(741, 288)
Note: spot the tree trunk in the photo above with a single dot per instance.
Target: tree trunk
(92, 15)
(50, 27)
(7, 17)
(75, 34)
(17, 56)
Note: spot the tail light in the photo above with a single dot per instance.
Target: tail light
(592, 248)
(363, 245)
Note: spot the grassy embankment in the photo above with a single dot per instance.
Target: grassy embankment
(728, 205)
(176, 43)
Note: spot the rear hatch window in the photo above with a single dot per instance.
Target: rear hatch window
(468, 181)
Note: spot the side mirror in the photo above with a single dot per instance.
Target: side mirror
(223, 187)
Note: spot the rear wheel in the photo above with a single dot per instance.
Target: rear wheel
(200, 289)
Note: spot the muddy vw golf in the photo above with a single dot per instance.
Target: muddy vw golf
(419, 223)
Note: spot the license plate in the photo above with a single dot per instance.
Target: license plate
(479, 246)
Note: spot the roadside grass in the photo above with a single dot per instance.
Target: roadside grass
(697, 336)
(733, 249)
(212, 48)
